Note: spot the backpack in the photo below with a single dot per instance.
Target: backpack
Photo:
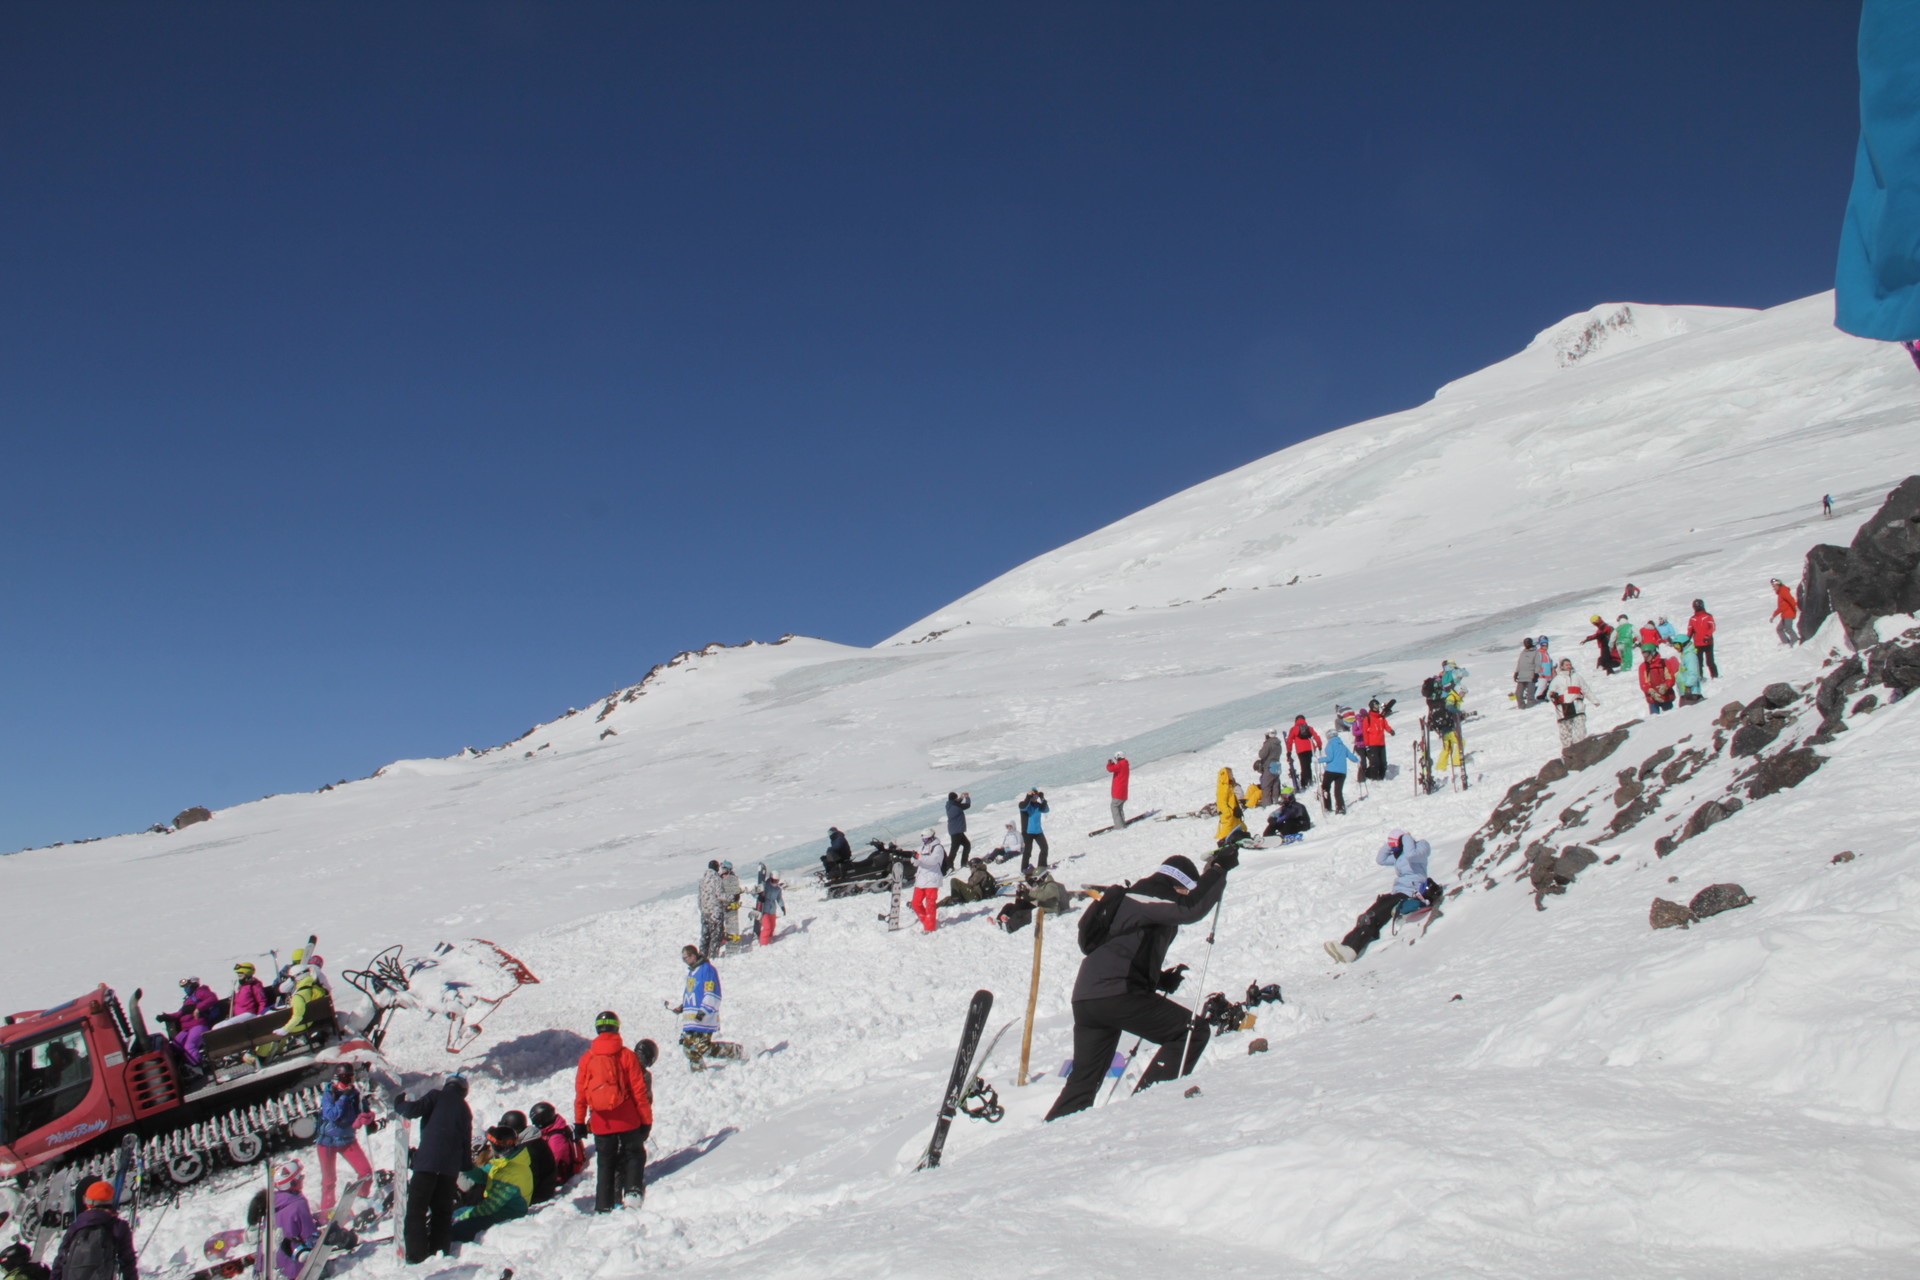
(89, 1254)
(1430, 689)
(604, 1090)
(1096, 922)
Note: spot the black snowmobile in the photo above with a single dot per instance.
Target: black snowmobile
(843, 877)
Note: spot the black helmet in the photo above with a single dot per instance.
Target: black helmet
(515, 1121)
(542, 1114)
(648, 1052)
(606, 1020)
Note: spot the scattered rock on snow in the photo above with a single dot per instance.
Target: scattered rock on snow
(1783, 770)
(1258, 1045)
(187, 817)
(1669, 915)
(1715, 898)
(1588, 752)
(1845, 855)
(1779, 694)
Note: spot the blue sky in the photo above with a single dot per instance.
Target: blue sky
(380, 379)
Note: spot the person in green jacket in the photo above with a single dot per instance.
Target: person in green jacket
(508, 1171)
(1623, 643)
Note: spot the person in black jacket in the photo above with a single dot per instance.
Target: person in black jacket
(958, 846)
(1121, 980)
(444, 1150)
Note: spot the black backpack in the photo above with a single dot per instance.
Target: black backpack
(1096, 922)
(90, 1254)
(1430, 689)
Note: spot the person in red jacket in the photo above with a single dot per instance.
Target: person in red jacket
(1302, 742)
(1785, 608)
(1373, 729)
(1656, 682)
(609, 1084)
(1117, 766)
(1700, 631)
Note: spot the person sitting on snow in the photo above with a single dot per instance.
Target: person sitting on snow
(1408, 858)
(505, 1172)
(978, 885)
(1289, 819)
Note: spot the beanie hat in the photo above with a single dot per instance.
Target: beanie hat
(100, 1193)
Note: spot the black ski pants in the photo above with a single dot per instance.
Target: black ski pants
(959, 847)
(1027, 842)
(1333, 790)
(429, 1225)
(1366, 930)
(620, 1167)
(1374, 762)
(1097, 1028)
(1707, 664)
(1305, 767)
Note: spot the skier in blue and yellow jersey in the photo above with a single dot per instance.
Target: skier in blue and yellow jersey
(699, 1008)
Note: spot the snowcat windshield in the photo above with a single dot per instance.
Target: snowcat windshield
(43, 1080)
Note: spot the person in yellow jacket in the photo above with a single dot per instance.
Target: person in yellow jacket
(306, 990)
(1255, 798)
(1226, 798)
(508, 1170)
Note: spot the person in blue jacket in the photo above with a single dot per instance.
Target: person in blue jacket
(1411, 890)
(1877, 276)
(1031, 807)
(699, 1007)
(1333, 772)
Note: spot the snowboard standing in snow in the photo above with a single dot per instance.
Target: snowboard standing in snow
(894, 881)
(961, 1076)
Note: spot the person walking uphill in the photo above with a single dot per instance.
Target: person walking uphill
(609, 1087)
(958, 846)
(1700, 630)
(1121, 981)
(446, 1142)
(1117, 793)
(1408, 858)
(1785, 608)
(1032, 805)
(99, 1244)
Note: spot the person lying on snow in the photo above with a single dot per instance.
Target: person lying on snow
(1411, 891)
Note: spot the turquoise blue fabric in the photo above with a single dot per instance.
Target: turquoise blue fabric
(1877, 277)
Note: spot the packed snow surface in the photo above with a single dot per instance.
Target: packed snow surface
(1517, 1093)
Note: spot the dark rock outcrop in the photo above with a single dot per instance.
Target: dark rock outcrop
(1781, 771)
(1588, 752)
(1669, 915)
(187, 817)
(1875, 576)
(1715, 898)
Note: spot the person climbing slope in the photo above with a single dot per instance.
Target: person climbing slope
(1122, 985)
(1786, 609)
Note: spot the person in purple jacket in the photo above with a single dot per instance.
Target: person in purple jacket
(199, 1011)
(295, 1228)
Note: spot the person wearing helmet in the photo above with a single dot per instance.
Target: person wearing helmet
(249, 993)
(1411, 890)
(609, 1087)
(16, 1263)
(443, 1153)
(568, 1153)
(503, 1171)
(540, 1160)
(1289, 819)
(199, 1012)
(928, 865)
(99, 1243)
(343, 1113)
(771, 903)
(295, 1228)
(1374, 730)
(319, 966)
(730, 896)
(1120, 770)
(1785, 608)
(303, 1008)
(1302, 741)
(1700, 629)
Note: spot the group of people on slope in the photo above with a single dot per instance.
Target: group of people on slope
(720, 895)
(1296, 748)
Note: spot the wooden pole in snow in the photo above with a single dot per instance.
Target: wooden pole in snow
(1033, 994)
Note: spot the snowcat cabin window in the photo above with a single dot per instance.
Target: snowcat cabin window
(45, 1079)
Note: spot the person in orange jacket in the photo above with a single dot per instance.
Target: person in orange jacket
(1372, 730)
(609, 1084)
(1785, 608)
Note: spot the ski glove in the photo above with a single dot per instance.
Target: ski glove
(1170, 979)
(1227, 857)
(580, 1131)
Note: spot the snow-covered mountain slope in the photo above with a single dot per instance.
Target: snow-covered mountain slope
(1556, 1120)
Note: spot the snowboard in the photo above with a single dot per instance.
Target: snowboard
(1423, 769)
(1138, 817)
(894, 882)
(977, 1010)
(56, 1210)
(239, 1264)
(226, 1243)
(332, 1236)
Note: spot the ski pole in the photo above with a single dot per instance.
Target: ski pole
(1137, 1041)
(1213, 928)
